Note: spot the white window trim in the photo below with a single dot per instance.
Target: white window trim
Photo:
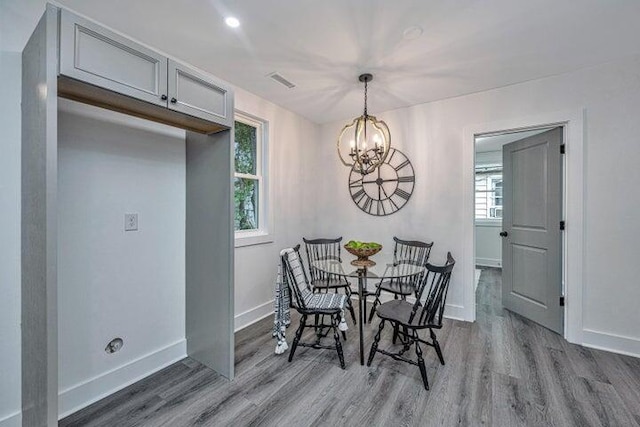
(487, 221)
(265, 232)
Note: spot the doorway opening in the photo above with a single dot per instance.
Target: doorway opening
(518, 206)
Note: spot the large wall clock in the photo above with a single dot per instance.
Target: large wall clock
(385, 190)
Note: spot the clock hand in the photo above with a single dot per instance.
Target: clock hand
(384, 180)
(389, 198)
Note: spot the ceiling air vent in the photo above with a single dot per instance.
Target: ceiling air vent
(278, 78)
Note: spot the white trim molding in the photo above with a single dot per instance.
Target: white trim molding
(489, 262)
(611, 342)
(573, 194)
(266, 223)
(81, 395)
(253, 315)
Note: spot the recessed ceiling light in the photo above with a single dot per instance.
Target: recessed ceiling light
(412, 32)
(232, 22)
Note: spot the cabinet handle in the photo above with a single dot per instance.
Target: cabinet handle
(504, 234)
(173, 100)
(163, 97)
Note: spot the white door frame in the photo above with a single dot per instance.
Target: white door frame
(573, 207)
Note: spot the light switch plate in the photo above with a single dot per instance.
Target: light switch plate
(131, 222)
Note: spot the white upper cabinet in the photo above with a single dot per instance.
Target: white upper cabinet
(93, 54)
(198, 94)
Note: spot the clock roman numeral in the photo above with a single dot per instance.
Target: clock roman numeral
(393, 152)
(381, 205)
(406, 178)
(401, 165)
(358, 195)
(402, 194)
(367, 204)
(356, 183)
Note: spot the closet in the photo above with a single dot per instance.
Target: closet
(71, 57)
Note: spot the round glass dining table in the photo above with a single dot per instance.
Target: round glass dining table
(379, 271)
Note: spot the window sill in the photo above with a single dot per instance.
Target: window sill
(251, 238)
(489, 222)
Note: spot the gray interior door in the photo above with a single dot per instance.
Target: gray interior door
(532, 240)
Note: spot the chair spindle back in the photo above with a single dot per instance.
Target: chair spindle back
(321, 249)
(432, 294)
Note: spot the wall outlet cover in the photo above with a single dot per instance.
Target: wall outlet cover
(131, 222)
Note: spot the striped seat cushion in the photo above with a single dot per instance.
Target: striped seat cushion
(324, 301)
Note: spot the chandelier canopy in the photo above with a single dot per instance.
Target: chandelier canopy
(364, 144)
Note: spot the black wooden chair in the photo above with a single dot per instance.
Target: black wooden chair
(307, 303)
(323, 249)
(425, 313)
(404, 252)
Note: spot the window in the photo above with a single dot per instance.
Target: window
(250, 182)
(489, 192)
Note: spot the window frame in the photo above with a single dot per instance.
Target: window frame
(264, 233)
(490, 192)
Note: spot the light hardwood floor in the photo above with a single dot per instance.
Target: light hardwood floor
(502, 370)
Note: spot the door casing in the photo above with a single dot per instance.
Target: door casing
(572, 123)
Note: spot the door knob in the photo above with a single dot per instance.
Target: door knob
(173, 100)
(504, 234)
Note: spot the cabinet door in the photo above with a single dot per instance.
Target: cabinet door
(198, 94)
(100, 57)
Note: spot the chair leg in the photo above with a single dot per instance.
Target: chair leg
(374, 346)
(296, 340)
(335, 320)
(376, 302)
(316, 320)
(436, 345)
(423, 369)
(350, 305)
(395, 333)
(344, 335)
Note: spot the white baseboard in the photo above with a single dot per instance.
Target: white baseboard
(88, 392)
(611, 342)
(253, 315)
(455, 312)
(489, 262)
(13, 420)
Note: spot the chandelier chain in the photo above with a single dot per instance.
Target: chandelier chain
(365, 98)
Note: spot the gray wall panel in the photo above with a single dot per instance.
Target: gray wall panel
(39, 178)
(209, 251)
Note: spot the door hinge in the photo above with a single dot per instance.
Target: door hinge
(563, 149)
(561, 301)
(562, 225)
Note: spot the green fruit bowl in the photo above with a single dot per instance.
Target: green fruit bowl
(363, 253)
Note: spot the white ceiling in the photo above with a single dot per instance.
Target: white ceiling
(322, 45)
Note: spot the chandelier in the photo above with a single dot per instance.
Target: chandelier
(364, 144)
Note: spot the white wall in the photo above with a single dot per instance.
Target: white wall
(488, 244)
(292, 142)
(10, 383)
(488, 241)
(432, 135)
(115, 283)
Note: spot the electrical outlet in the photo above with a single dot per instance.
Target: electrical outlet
(131, 222)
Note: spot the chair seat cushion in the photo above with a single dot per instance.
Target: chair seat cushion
(397, 287)
(397, 311)
(329, 283)
(324, 301)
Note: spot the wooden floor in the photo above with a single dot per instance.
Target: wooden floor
(501, 371)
